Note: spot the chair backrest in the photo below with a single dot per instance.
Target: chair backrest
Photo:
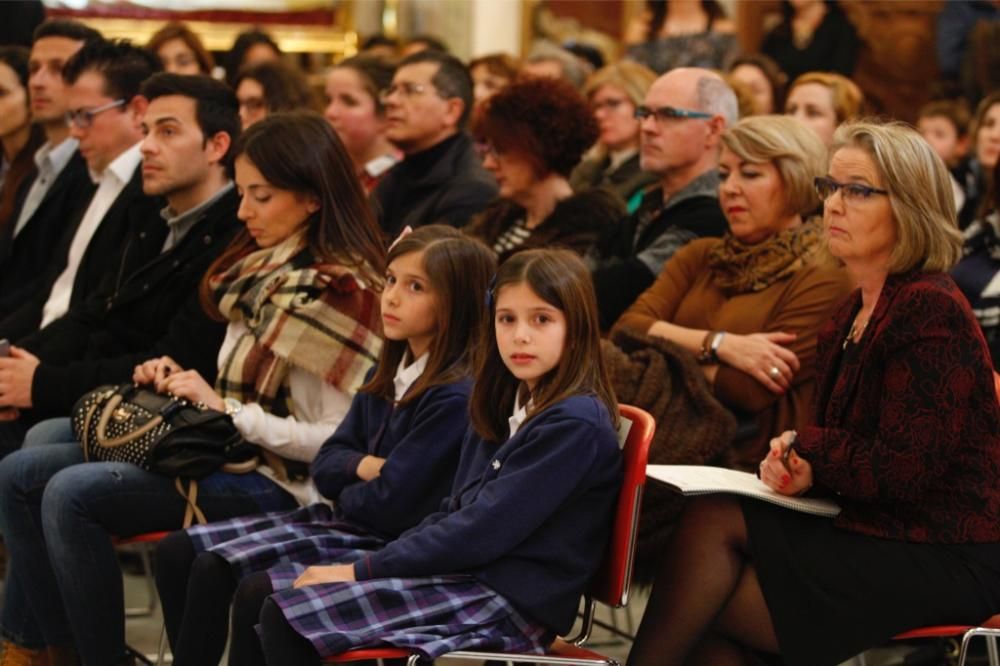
(614, 578)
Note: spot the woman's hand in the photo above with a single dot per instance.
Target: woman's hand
(154, 371)
(188, 384)
(762, 356)
(334, 573)
(793, 480)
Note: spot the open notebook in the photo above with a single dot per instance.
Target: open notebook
(701, 480)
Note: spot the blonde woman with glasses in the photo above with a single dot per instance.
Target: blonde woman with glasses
(905, 435)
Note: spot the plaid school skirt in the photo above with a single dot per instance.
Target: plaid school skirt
(431, 616)
(306, 536)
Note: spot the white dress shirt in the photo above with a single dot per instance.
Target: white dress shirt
(110, 184)
(519, 416)
(50, 160)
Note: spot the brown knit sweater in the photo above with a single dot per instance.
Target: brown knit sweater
(685, 295)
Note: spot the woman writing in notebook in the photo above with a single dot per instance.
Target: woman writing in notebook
(906, 436)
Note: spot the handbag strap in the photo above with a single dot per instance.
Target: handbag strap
(191, 511)
(102, 425)
(85, 435)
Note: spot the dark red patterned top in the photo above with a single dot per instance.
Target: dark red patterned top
(908, 432)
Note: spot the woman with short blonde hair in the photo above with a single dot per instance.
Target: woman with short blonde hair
(824, 100)
(614, 92)
(749, 305)
(928, 237)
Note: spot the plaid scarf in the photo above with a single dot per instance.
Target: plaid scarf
(298, 313)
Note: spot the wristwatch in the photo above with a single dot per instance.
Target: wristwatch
(710, 347)
(233, 406)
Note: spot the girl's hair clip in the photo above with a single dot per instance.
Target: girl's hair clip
(407, 230)
(490, 295)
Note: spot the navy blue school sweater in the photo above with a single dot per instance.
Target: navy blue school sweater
(529, 518)
(421, 441)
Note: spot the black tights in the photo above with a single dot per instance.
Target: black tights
(706, 606)
(196, 591)
(282, 644)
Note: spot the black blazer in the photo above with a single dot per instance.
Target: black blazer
(28, 259)
(131, 210)
(147, 307)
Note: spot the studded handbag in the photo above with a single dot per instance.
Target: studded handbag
(159, 433)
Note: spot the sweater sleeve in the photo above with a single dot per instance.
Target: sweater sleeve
(336, 465)
(927, 367)
(804, 309)
(530, 486)
(420, 465)
(660, 301)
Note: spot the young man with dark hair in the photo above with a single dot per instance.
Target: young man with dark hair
(152, 310)
(104, 113)
(147, 304)
(441, 178)
(61, 187)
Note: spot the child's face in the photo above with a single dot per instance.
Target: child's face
(530, 332)
(409, 307)
(943, 137)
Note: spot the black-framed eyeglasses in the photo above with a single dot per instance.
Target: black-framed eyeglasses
(855, 192)
(84, 118)
(405, 89)
(665, 113)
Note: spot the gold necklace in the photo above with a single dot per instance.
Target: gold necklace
(857, 328)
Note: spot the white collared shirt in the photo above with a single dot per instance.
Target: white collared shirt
(110, 184)
(407, 374)
(50, 160)
(519, 415)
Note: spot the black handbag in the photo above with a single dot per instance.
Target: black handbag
(159, 433)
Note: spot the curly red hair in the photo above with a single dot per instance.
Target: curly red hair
(545, 120)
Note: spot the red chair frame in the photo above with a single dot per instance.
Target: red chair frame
(611, 585)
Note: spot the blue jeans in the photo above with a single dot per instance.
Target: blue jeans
(58, 515)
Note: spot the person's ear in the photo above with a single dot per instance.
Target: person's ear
(312, 203)
(137, 107)
(454, 107)
(716, 126)
(217, 146)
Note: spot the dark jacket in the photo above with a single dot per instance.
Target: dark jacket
(575, 224)
(529, 518)
(27, 260)
(628, 180)
(444, 184)
(421, 441)
(147, 307)
(131, 210)
(907, 422)
(628, 259)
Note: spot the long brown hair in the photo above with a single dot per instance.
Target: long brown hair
(22, 166)
(560, 278)
(459, 269)
(298, 151)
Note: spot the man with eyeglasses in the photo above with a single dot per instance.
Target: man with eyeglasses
(104, 113)
(61, 185)
(680, 124)
(440, 179)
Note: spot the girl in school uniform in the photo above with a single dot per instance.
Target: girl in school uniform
(388, 465)
(502, 565)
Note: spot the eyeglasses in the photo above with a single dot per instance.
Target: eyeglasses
(486, 149)
(84, 118)
(608, 105)
(853, 192)
(252, 104)
(405, 89)
(665, 113)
